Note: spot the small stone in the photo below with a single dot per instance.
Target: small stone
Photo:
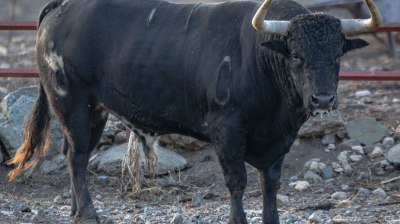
(308, 163)
(347, 167)
(282, 200)
(336, 165)
(347, 145)
(311, 176)
(356, 158)
(98, 204)
(58, 200)
(378, 152)
(384, 163)
(120, 137)
(194, 219)
(327, 172)
(197, 201)
(339, 195)
(287, 215)
(358, 149)
(67, 194)
(98, 197)
(379, 192)
(345, 187)
(314, 166)
(339, 170)
(308, 212)
(215, 218)
(302, 185)
(341, 134)
(293, 178)
(362, 93)
(394, 156)
(388, 142)
(340, 220)
(321, 166)
(328, 139)
(177, 219)
(255, 220)
(364, 191)
(331, 147)
(342, 156)
(319, 191)
(65, 208)
(314, 218)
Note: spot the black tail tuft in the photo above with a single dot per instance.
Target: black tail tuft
(36, 136)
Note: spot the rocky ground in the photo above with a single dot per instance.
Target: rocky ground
(325, 179)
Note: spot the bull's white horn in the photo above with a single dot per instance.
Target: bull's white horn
(356, 26)
(266, 26)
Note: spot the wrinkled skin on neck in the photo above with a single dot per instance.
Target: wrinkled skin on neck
(311, 54)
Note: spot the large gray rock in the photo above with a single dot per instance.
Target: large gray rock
(180, 141)
(13, 110)
(366, 130)
(394, 155)
(110, 160)
(321, 126)
(55, 165)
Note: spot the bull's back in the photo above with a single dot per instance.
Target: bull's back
(149, 61)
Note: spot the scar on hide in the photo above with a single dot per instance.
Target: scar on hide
(65, 6)
(151, 15)
(222, 91)
(185, 29)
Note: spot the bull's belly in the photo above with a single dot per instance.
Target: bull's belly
(154, 120)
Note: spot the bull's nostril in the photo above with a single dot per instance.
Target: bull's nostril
(314, 99)
(322, 101)
(332, 100)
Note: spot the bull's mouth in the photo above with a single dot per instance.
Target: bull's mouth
(322, 112)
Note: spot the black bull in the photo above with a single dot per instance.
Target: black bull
(196, 70)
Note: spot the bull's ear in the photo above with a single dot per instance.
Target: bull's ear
(355, 44)
(277, 46)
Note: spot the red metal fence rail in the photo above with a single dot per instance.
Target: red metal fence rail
(356, 75)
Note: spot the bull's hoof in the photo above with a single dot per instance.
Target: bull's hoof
(88, 220)
(72, 213)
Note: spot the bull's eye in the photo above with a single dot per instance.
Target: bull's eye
(295, 57)
(339, 56)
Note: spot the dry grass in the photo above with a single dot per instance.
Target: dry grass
(131, 164)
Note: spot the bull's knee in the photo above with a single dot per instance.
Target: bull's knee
(236, 182)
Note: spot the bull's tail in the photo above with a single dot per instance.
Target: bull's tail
(47, 8)
(36, 138)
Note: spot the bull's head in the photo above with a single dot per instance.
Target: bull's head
(312, 46)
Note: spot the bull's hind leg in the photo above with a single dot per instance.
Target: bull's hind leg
(82, 131)
(99, 120)
(229, 139)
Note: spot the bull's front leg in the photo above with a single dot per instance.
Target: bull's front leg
(270, 181)
(229, 140)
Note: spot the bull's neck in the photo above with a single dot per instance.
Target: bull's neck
(276, 86)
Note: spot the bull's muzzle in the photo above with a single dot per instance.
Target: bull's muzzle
(322, 103)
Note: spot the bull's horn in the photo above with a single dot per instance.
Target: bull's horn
(266, 26)
(356, 26)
